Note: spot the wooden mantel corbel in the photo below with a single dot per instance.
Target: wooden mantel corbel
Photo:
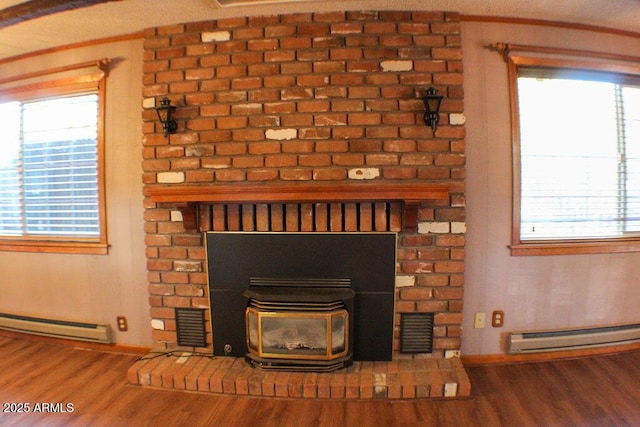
(187, 197)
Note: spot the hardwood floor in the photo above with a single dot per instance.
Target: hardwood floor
(92, 388)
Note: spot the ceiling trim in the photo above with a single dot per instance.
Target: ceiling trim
(114, 39)
(468, 18)
(37, 8)
(548, 23)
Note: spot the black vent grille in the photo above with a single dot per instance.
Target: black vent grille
(416, 332)
(190, 327)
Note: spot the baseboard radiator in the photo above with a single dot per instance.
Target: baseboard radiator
(572, 339)
(56, 328)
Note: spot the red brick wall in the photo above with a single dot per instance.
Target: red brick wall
(325, 97)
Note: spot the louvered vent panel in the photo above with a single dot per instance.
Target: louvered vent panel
(190, 327)
(416, 332)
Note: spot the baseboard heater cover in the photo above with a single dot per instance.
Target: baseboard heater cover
(572, 339)
(56, 328)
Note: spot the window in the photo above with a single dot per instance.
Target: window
(51, 163)
(576, 157)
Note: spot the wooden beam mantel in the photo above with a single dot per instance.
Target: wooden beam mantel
(411, 194)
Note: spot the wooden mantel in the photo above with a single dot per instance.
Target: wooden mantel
(411, 194)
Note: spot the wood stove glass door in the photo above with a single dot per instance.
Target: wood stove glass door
(297, 335)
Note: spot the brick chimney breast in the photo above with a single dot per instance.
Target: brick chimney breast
(328, 97)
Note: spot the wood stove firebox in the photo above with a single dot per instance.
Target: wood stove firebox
(313, 301)
(299, 324)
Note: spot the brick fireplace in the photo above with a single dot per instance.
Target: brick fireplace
(307, 122)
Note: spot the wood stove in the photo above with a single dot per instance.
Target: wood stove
(299, 324)
(280, 297)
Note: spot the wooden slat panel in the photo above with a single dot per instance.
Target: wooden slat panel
(350, 217)
(395, 217)
(277, 217)
(335, 217)
(306, 217)
(233, 217)
(322, 217)
(262, 217)
(248, 218)
(366, 216)
(380, 217)
(292, 222)
(219, 218)
(303, 217)
(204, 218)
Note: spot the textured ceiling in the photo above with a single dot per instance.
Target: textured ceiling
(130, 16)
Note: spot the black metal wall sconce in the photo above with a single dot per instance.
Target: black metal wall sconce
(432, 103)
(165, 110)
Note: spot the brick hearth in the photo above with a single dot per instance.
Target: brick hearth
(403, 379)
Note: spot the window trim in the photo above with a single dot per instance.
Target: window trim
(96, 83)
(557, 59)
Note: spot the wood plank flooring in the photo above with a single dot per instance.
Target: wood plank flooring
(92, 388)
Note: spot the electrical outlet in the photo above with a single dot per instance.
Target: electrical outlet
(478, 320)
(497, 319)
(122, 323)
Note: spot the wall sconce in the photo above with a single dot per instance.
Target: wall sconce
(432, 103)
(164, 111)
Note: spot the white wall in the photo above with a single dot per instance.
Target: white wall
(94, 288)
(535, 292)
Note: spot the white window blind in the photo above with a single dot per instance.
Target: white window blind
(579, 155)
(49, 168)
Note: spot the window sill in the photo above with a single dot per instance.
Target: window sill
(575, 248)
(46, 246)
